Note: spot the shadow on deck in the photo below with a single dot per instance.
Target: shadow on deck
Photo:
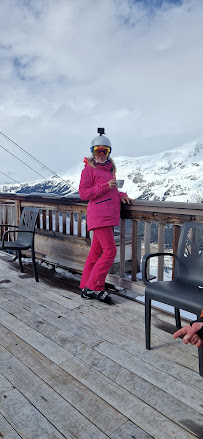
(79, 369)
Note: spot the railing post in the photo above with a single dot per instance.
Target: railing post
(71, 223)
(87, 233)
(1, 213)
(64, 222)
(17, 212)
(38, 220)
(5, 219)
(1, 220)
(134, 251)
(50, 220)
(44, 223)
(79, 218)
(176, 236)
(147, 239)
(9, 220)
(122, 248)
(56, 221)
(13, 220)
(161, 240)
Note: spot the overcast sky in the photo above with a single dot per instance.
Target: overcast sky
(70, 66)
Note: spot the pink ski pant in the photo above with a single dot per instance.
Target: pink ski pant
(99, 260)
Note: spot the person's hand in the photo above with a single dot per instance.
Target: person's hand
(125, 199)
(112, 183)
(190, 335)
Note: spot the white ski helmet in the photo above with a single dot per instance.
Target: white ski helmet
(100, 140)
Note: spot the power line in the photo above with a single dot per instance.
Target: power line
(22, 162)
(10, 177)
(30, 155)
(36, 160)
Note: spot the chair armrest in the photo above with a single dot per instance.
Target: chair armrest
(8, 225)
(21, 230)
(14, 231)
(145, 261)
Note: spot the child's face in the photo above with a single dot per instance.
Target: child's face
(101, 153)
(101, 159)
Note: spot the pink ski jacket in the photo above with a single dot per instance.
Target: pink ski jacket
(104, 203)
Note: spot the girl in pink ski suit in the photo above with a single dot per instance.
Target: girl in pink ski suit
(98, 185)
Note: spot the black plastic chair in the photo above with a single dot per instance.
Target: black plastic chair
(185, 290)
(24, 234)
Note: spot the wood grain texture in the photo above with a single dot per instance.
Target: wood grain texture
(6, 430)
(80, 369)
(25, 420)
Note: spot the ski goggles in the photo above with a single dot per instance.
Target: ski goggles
(101, 151)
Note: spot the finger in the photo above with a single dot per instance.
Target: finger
(190, 333)
(186, 339)
(180, 332)
(194, 339)
(199, 343)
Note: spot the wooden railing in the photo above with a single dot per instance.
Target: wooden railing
(62, 238)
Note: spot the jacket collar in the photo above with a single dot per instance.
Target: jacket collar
(107, 166)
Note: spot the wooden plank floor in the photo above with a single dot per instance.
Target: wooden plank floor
(71, 368)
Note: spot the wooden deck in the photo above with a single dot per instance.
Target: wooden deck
(78, 369)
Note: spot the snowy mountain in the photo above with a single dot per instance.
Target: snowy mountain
(173, 175)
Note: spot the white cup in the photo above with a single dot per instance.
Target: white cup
(119, 183)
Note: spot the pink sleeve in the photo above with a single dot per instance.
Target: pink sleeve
(86, 189)
(122, 194)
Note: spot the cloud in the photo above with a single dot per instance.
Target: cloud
(134, 67)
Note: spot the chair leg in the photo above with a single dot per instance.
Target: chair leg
(177, 317)
(18, 253)
(34, 265)
(148, 322)
(200, 353)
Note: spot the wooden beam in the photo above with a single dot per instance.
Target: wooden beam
(161, 240)
(122, 248)
(50, 219)
(147, 240)
(134, 250)
(79, 221)
(176, 236)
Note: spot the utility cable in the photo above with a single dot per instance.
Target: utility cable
(10, 178)
(23, 162)
(36, 160)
